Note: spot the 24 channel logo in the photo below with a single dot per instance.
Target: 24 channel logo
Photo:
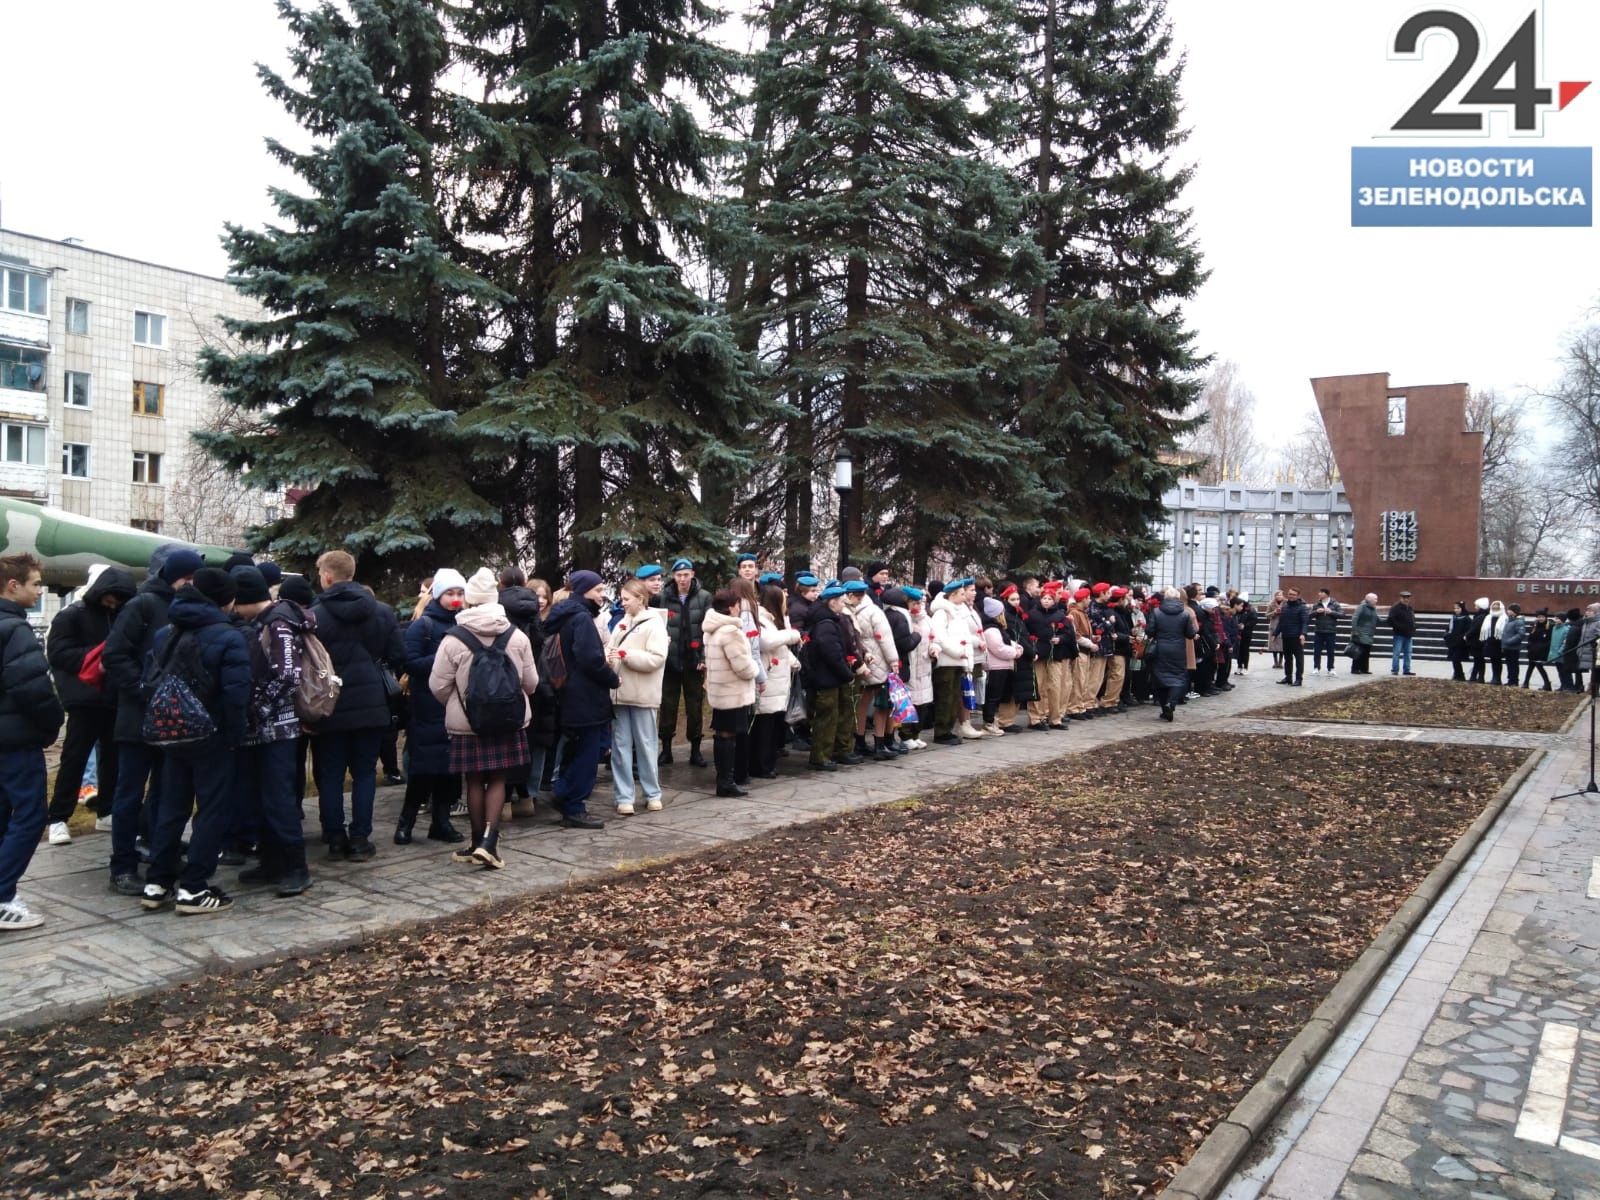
(1473, 94)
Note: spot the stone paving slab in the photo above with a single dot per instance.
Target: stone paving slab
(1491, 1013)
(95, 946)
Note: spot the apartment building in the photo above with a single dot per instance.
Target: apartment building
(99, 392)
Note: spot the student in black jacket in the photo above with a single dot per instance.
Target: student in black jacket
(30, 718)
(91, 711)
(585, 698)
(828, 663)
(203, 645)
(362, 638)
(132, 634)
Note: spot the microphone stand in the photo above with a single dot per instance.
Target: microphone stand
(1594, 692)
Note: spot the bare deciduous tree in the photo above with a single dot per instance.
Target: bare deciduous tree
(1575, 465)
(1308, 459)
(1226, 435)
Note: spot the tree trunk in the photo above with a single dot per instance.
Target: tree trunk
(857, 281)
(588, 486)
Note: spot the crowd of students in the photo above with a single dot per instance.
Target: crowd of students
(209, 696)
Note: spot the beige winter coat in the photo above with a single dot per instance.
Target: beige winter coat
(641, 646)
(452, 664)
(957, 633)
(877, 640)
(781, 663)
(730, 667)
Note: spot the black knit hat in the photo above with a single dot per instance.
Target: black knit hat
(298, 589)
(216, 585)
(252, 585)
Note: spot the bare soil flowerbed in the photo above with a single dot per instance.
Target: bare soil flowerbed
(1051, 984)
(1436, 703)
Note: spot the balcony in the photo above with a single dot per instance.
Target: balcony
(22, 376)
(24, 480)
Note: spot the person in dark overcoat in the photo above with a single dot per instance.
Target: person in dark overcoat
(1171, 629)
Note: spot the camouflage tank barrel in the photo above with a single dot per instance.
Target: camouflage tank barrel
(66, 544)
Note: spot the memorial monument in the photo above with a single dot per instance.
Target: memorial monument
(1413, 473)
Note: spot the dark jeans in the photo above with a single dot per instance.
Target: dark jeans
(1294, 659)
(266, 792)
(1544, 675)
(22, 814)
(1224, 669)
(1479, 655)
(1242, 655)
(1323, 644)
(692, 686)
(766, 739)
(357, 753)
(1205, 673)
(86, 729)
(1513, 664)
(1495, 652)
(137, 764)
(573, 787)
(389, 752)
(197, 779)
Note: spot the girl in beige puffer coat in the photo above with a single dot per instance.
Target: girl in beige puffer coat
(730, 684)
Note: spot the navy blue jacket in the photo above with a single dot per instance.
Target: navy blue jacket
(826, 650)
(359, 634)
(586, 698)
(1293, 618)
(428, 743)
(223, 664)
(30, 714)
(127, 646)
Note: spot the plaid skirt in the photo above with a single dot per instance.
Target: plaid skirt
(470, 754)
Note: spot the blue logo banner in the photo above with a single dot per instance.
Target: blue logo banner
(1471, 186)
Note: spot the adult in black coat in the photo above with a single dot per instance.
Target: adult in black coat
(522, 610)
(828, 663)
(585, 698)
(686, 603)
(207, 648)
(1455, 641)
(30, 718)
(363, 639)
(91, 711)
(428, 777)
(1476, 650)
(1170, 628)
(1293, 618)
(127, 646)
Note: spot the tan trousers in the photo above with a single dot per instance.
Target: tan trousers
(1116, 670)
(1091, 669)
(1053, 682)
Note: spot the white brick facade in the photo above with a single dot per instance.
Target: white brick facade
(115, 289)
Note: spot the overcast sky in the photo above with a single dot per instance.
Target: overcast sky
(138, 128)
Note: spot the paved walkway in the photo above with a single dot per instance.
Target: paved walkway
(1473, 1068)
(95, 946)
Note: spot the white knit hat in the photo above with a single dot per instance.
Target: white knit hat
(483, 588)
(446, 578)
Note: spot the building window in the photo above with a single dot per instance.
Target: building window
(149, 329)
(75, 460)
(24, 292)
(146, 524)
(23, 444)
(78, 316)
(146, 466)
(77, 390)
(1397, 416)
(22, 370)
(148, 398)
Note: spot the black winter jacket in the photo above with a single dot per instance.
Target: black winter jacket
(1403, 619)
(522, 610)
(905, 639)
(827, 650)
(128, 645)
(30, 714)
(427, 741)
(1293, 619)
(1326, 619)
(360, 634)
(78, 629)
(685, 617)
(586, 698)
(221, 669)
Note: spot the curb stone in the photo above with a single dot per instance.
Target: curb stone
(1219, 1156)
(1576, 713)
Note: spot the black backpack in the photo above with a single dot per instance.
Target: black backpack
(494, 702)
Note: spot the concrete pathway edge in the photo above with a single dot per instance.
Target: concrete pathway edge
(1220, 1155)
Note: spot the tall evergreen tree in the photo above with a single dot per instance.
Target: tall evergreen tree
(351, 381)
(883, 257)
(613, 365)
(1101, 121)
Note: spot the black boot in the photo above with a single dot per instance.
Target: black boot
(881, 751)
(696, 759)
(439, 828)
(409, 808)
(486, 851)
(741, 759)
(723, 750)
(861, 745)
(664, 759)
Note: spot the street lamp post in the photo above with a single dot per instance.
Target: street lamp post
(841, 484)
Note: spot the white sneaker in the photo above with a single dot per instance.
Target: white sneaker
(102, 824)
(15, 914)
(653, 804)
(967, 731)
(917, 744)
(624, 810)
(60, 835)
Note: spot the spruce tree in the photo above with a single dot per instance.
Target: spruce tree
(1100, 122)
(616, 370)
(884, 262)
(351, 381)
